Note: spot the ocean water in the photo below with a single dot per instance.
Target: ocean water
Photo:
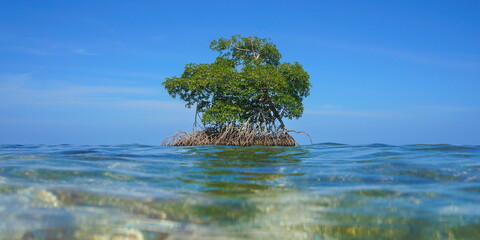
(320, 191)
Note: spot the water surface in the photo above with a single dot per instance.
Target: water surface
(320, 191)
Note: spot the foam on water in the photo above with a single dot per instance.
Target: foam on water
(320, 191)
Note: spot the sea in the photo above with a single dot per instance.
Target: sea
(318, 191)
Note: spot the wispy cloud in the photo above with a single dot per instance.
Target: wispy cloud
(158, 38)
(333, 110)
(83, 51)
(23, 102)
(151, 104)
(410, 56)
(14, 80)
(71, 95)
(405, 112)
(444, 108)
(112, 42)
(51, 51)
(100, 24)
(19, 89)
(353, 113)
(125, 73)
(35, 51)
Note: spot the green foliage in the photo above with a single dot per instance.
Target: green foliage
(246, 82)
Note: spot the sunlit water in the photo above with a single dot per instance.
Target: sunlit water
(321, 191)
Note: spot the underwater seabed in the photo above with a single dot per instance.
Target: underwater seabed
(320, 191)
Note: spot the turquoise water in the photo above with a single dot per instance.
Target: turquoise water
(320, 191)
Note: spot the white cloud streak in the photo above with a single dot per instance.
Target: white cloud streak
(83, 51)
(158, 38)
(411, 112)
(17, 89)
(35, 51)
(409, 56)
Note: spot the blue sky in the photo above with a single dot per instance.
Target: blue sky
(90, 72)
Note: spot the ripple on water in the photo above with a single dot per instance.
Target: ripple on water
(319, 191)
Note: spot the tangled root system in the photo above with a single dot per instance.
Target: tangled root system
(234, 135)
(238, 138)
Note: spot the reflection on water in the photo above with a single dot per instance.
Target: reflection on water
(322, 191)
(234, 172)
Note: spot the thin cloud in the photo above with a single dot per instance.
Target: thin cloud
(71, 95)
(35, 51)
(104, 25)
(353, 113)
(409, 56)
(333, 110)
(112, 42)
(83, 51)
(158, 38)
(445, 108)
(18, 89)
(15, 79)
(151, 104)
(89, 90)
(409, 112)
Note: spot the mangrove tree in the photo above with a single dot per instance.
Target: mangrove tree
(242, 97)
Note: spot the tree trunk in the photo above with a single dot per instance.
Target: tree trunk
(268, 100)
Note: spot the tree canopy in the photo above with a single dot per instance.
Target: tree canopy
(246, 83)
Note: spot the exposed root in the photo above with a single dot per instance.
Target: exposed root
(234, 138)
(308, 135)
(233, 135)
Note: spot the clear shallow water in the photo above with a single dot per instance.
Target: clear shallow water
(321, 191)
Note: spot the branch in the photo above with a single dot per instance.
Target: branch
(311, 142)
(268, 100)
(242, 49)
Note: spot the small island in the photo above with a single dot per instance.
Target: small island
(242, 97)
